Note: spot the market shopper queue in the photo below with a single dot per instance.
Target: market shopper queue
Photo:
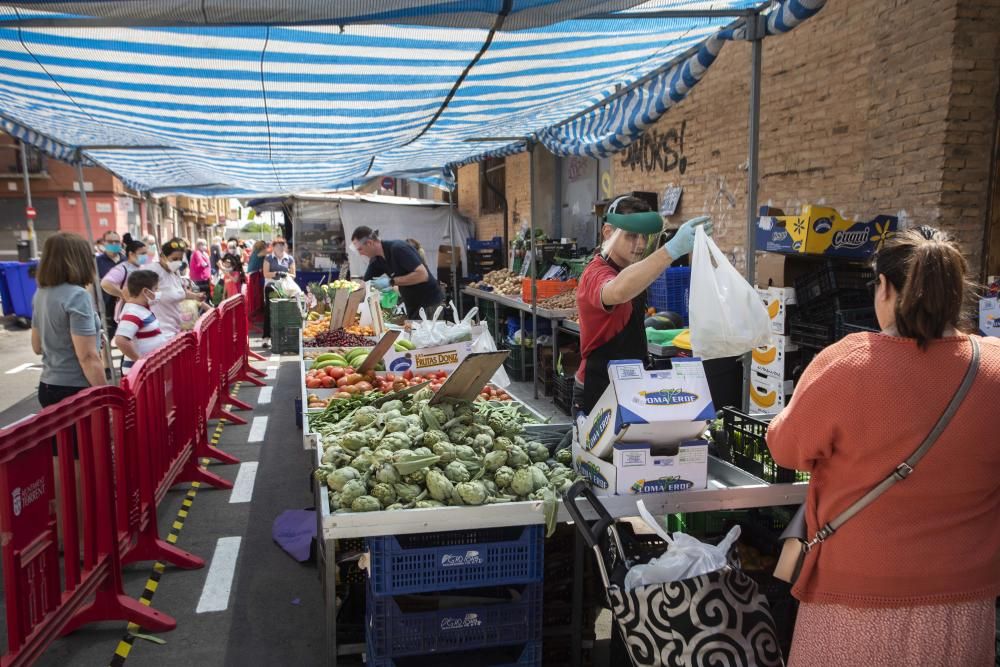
(611, 296)
(398, 264)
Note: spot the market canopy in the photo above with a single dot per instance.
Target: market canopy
(229, 97)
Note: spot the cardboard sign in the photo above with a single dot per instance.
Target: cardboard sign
(337, 309)
(471, 376)
(440, 358)
(640, 468)
(383, 345)
(351, 309)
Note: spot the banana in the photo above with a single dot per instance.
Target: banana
(765, 357)
(763, 400)
(773, 308)
(407, 345)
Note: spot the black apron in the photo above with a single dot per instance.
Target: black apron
(629, 344)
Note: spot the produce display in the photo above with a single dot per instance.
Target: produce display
(337, 338)
(501, 281)
(360, 331)
(405, 453)
(314, 326)
(564, 301)
(328, 291)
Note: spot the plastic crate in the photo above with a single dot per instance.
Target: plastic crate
(824, 310)
(545, 289)
(747, 448)
(284, 339)
(810, 335)
(427, 562)
(285, 313)
(513, 363)
(496, 243)
(562, 393)
(671, 291)
(501, 656)
(422, 624)
(855, 321)
(832, 278)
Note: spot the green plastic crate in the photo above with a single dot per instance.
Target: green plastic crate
(285, 313)
(284, 339)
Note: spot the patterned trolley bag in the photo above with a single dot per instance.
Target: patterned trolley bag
(713, 619)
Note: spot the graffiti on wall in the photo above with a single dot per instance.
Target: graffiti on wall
(658, 152)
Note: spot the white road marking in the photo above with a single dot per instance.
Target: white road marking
(243, 486)
(265, 395)
(258, 427)
(18, 369)
(219, 582)
(272, 372)
(22, 419)
(275, 359)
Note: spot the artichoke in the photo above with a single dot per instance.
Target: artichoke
(407, 493)
(517, 458)
(482, 441)
(466, 453)
(414, 433)
(565, 456)
(391, 414)
(395, 506)
(364, 461)
(334, 501)
(384, 493)
(365, 416)
(482, 429)
(504, 477)
(365, 504)
(458, 433)
(427, 504)
(495, 460)
(438, 485)
(457, 472)
(537, 451)
(538, 478)
(400, 454)
(354, 441)
(338, 478)
(416, 477)
(491, 487)
(423, 451)
(397, 425)
(433, 437)
(330, 455)
(396, 440)
(513, 428)
(523, 483)
(446, 451)
(472, 493)
(353, 490)
(502, 444)
(390, 406)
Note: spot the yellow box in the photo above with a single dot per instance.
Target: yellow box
(820, 230)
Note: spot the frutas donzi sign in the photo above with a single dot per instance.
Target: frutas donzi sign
(441, 358)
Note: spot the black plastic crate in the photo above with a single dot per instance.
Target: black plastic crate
(747, 448)
(855, 321)
(810, 335)
(832, 278)
(823, 310)
(513, 362)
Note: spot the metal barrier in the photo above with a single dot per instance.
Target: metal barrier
(236, 342)
(167, 415)
(49, 593)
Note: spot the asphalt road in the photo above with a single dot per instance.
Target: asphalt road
(20, 368)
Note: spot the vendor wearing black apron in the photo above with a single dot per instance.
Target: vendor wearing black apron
(611, 296)
(397, 263)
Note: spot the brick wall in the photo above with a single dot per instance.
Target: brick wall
(518, 190)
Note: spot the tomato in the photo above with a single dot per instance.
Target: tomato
(329, 371)
(348, 370)
(389, 377)
(442, 374)
(337, 373)
(328, 383)
(313, 383)
(363, 386)
(408, 375)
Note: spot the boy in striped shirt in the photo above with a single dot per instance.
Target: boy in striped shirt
(138, 333)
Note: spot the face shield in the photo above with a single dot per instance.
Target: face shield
(635, 235)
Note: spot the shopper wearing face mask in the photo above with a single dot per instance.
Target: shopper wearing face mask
(113, 283)
(172, 289)
(233, 279)
(139, 333)
(201, 271)
(277, 265)
(111, 257)
(151, 248)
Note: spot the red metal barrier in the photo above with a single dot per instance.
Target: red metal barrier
(211, 359)
(236, 338)
(255, 300)
(49, 593)
(167, 414)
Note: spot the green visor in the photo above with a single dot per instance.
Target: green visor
(647, 222)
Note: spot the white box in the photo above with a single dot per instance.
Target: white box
(772, 360)
(989, 316)
(768, 395)
(777, 300)
(638, 468)
(441, 358)
(659, 407)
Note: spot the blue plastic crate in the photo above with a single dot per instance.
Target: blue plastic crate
(421, 624)
(427, 562)
(514, 323)
(495, 243)
(672, 291)
(507, 656)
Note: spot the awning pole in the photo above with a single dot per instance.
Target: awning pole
(32, 239)
(454, 253)
(98, 293)
(755, 33)
(533, 269)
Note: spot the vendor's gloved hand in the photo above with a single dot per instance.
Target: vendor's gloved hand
(280, 274)
(683, 241)
(381, 283)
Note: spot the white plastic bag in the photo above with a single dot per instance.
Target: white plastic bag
(290, 287)
(484, 343)
(462, 330)
(727, 316)
(686, 556)
(429, 333)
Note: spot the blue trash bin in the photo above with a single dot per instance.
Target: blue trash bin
(17, 287)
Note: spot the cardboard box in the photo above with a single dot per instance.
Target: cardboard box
(638, 468)
(819, 230)
(768, 395)
(989, 316)
(775, 270)
(780, 303)
(660, 407)
(776, 361)
(441, 358)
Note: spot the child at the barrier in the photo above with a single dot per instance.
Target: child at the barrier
(139, 332)
(233, 279)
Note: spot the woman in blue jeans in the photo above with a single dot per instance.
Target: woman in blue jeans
(65, 327)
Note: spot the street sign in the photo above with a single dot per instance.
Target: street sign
(30, 212)
(388, 182)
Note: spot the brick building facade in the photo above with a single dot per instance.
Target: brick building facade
(870, 107)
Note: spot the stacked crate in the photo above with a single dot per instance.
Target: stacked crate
(484, 256)
(286, 321)
(457, 594)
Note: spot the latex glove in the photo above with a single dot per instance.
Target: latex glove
(382, 283)
(683, 241)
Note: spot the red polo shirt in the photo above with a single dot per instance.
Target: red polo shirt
(598, 325)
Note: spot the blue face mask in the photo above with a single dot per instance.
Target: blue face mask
(113, 247)
(143, 260)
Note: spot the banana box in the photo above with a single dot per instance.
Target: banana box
(989, 316)
(777, 360)
(658, 407)
(637, 468)
(819, 230)
(780, 303)
(441, 358)
(767, 394)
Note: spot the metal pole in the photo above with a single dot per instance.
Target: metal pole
(454, 253)
(756, 36)
(533, 268)
(32, 239)
(98, 294)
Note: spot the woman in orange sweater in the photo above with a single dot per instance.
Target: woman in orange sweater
(912, 579)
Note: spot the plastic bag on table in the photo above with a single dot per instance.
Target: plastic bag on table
(686, 556)
(429, 333)
(290, 287)
(484, 343)
(462, 329)
(727, 315)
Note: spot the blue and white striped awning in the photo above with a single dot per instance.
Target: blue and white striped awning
(214, 98)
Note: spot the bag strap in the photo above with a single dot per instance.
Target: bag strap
(904, 469)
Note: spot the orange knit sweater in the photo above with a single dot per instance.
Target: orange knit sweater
(861, 408)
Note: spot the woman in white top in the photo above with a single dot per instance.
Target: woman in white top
(172, 290)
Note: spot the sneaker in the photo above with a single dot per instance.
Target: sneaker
(266, 345)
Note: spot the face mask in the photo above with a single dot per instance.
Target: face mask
(143, 260)
(113, 247)
(227, 269)
(151, 249)
(279, 250)
(232, 248)
(175, 265)
(153, 297)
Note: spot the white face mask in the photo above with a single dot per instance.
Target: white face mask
(153, 297)
(175, 265)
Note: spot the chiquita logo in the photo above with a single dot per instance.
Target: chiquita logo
(469, 558)
(850, 240)
(591, 473)
(469, 621)
(440, 359)
(598, 429)
(662, 485)
(666, 397)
